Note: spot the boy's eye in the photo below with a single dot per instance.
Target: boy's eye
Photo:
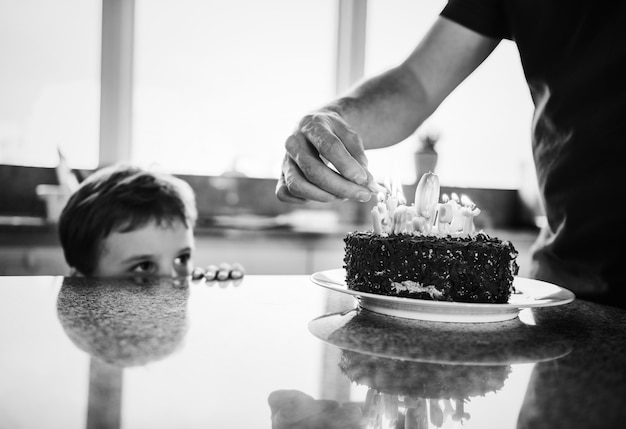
(183, 259)
(182, 264)
(144, 267)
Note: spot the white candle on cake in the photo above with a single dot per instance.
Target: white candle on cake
(446, 214)
(399, 219)
(468, 211)
(456, 225)
(377, 221)
(427, 195)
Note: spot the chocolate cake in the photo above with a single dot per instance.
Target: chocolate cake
(429, 250)
(476, 268)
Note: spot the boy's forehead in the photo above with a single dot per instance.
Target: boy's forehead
(135, 223)
(151, 238)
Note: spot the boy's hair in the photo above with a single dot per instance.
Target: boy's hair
(120, 199)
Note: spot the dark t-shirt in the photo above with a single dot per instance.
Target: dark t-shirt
(574, 59)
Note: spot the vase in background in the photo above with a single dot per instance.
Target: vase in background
(425, 155)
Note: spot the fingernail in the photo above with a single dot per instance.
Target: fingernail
(363, 196)
(361, 179)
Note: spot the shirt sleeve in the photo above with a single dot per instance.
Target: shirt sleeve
(486, 17)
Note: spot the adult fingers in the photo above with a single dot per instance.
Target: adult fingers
(338, 143)
(294, 187)
(283, 194)
(350, 139)
(307, 176)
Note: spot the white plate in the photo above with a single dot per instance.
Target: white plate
(530, 293)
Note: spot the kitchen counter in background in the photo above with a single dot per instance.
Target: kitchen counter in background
(240, 220)
(286, 244)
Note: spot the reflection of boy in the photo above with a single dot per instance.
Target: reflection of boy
(126, 221)
(123, 323)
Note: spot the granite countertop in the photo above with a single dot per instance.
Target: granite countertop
(292, 355)
(577, 353)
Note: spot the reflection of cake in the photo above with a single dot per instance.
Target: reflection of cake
(418, 394)
(429, 250)
(421, 379)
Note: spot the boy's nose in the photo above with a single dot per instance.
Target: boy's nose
(173, 272)
(167, 270)
(178, 271)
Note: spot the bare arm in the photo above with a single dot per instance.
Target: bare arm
(379, 112)
(388, 108)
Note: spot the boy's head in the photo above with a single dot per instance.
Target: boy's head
(127, 221)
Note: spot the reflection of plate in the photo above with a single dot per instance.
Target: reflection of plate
(505, 343)
(530, 293)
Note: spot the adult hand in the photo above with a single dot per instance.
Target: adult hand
(324, 161)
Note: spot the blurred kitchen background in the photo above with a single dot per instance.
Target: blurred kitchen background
(209, 90)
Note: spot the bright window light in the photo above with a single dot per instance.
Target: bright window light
(484, 125)
(49, 82)
(220, 85)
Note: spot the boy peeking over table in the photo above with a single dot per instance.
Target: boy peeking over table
(124, 221)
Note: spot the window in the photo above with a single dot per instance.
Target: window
(220, 85)
(217, 86)
(49, 81)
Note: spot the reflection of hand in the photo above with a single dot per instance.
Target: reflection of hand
(292, 409)
(305, 176)
(221, 272)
